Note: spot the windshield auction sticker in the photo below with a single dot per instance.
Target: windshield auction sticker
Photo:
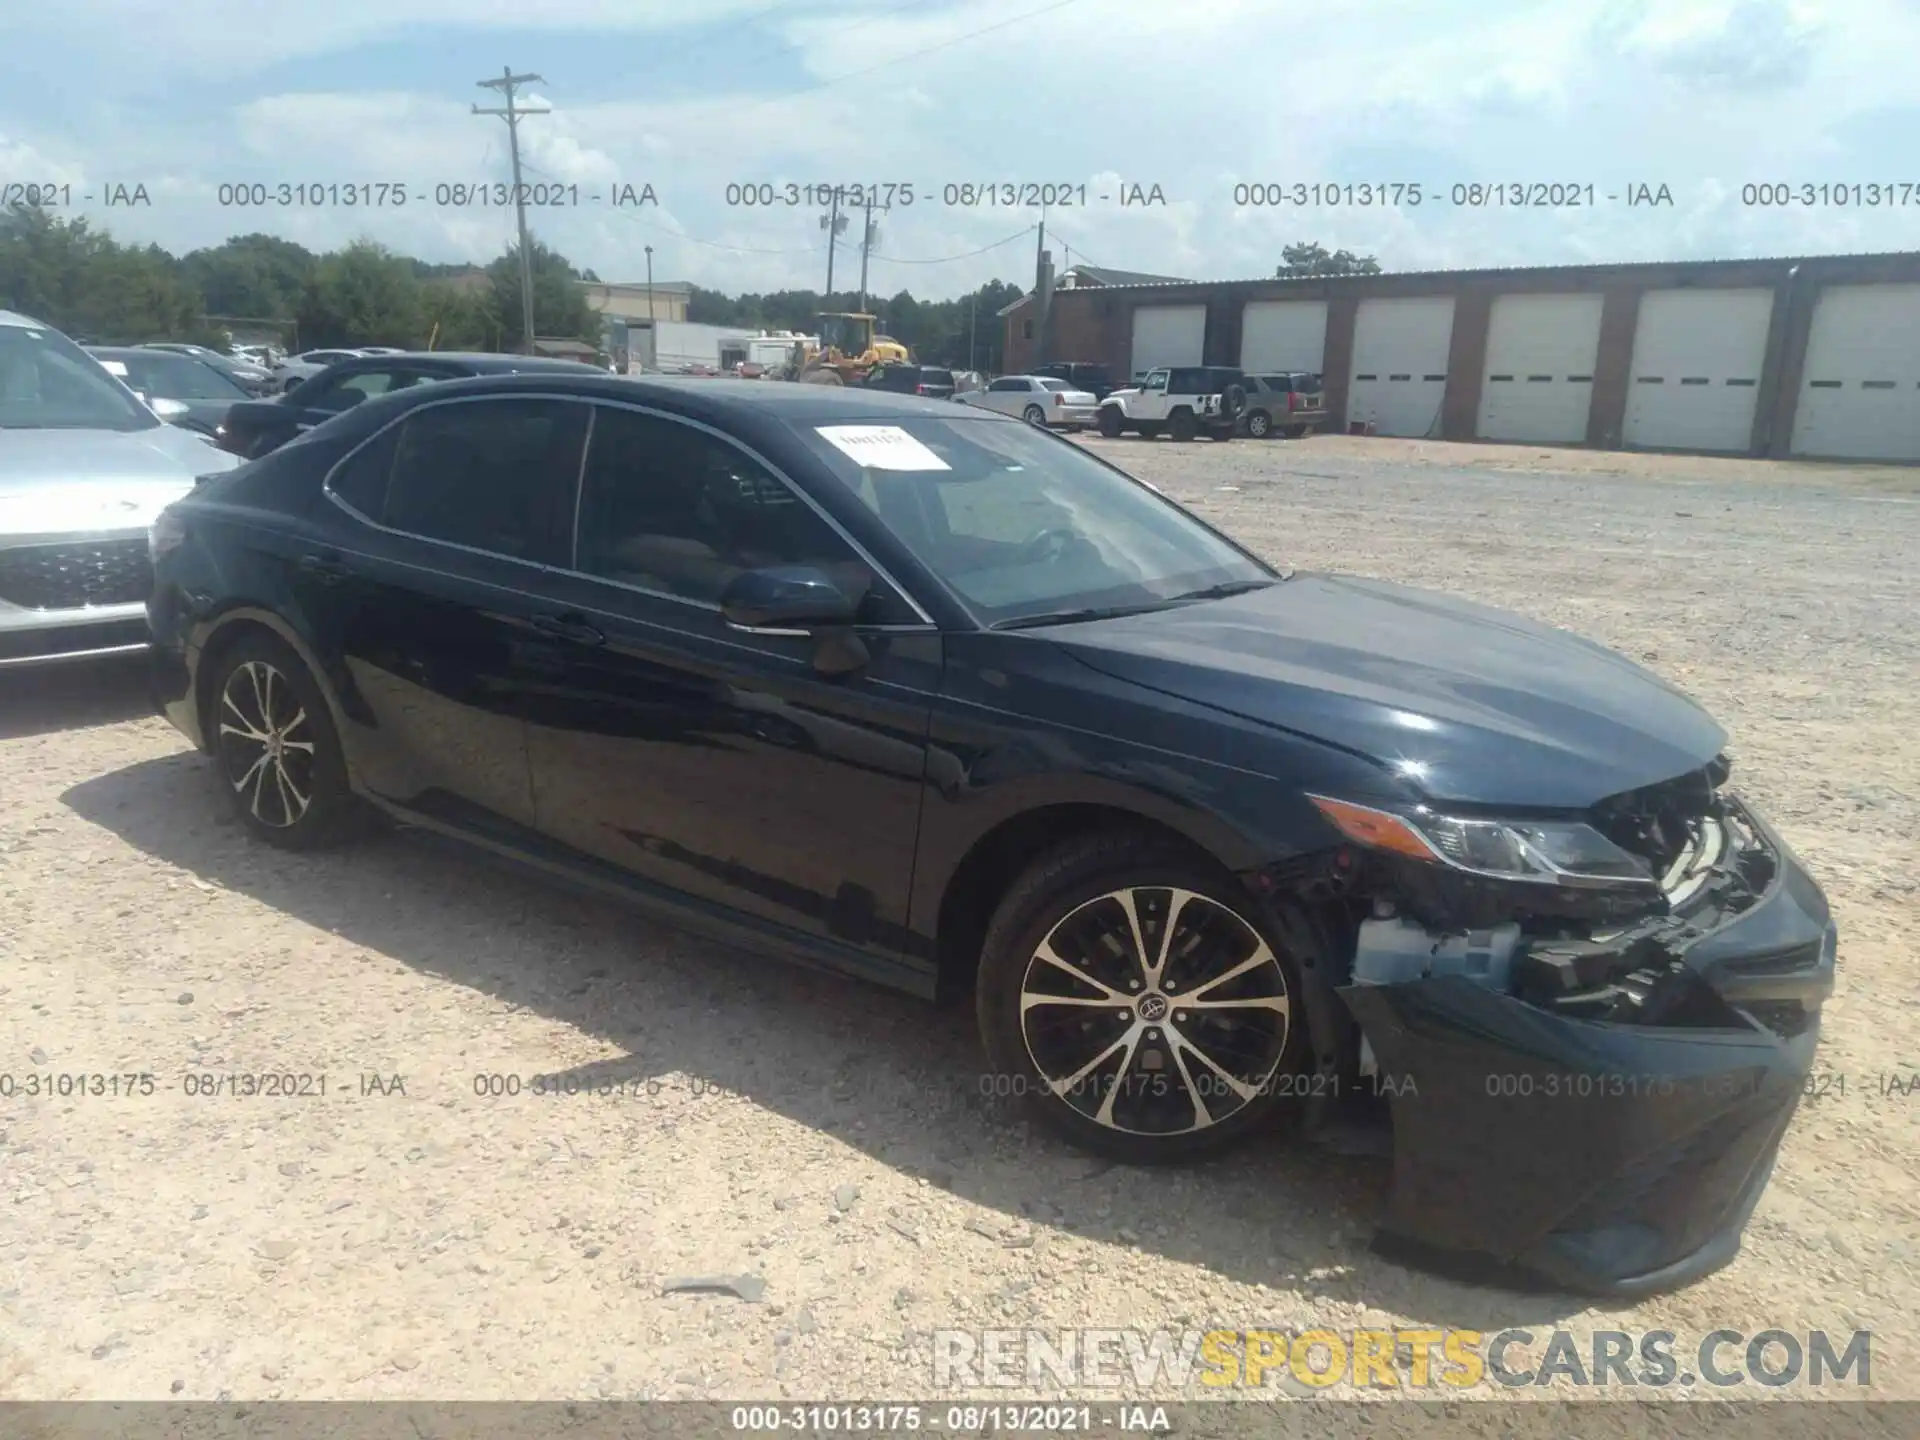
(881, 447)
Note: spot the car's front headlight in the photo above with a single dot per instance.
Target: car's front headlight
(1546, 852)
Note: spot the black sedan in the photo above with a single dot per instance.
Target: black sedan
(933, 697)
(257, 427)
(204, 392)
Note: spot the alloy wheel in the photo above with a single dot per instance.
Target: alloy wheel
(1155, 1011)
(266, 745)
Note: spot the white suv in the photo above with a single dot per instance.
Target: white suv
(1183, 400)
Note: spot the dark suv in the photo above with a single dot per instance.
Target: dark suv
(1080, 374)
(1292, 403)
(926, 380)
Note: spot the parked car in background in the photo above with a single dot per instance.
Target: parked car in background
(304, 366)
(1037, 399)
(966, 380)
(84, 469)
(928, 380)
(259, 427)
(1182, 401)
(1080, 375)
(1291, 403)
(202, 389)
(248, 374)
(913, 692)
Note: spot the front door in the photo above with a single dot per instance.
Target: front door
(421, 590)
(719, 764)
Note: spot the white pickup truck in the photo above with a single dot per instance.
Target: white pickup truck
(1183, 400)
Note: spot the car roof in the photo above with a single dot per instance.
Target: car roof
(138, 352)
(717, 398)
(479, 361)
(24, 322)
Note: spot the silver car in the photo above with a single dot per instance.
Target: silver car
(1037, 399)
(84, 469)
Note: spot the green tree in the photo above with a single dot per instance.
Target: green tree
(252, 276)
(1311, 258)
(560, 310)
(363, 295)
(84, 283)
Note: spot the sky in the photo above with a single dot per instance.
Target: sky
(1232, 110)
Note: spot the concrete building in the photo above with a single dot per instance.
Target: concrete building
(1815, 356)
(629, 300)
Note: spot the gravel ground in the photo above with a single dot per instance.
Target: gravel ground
(402, 1236)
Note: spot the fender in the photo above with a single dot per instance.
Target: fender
(208, 630)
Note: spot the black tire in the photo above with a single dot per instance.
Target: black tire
(1182, 426)
(1034, 415)
(1259, 424)
(1109, 422)
(1068, 901)
(261, 686)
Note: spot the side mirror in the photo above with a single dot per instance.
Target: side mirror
(787, 597)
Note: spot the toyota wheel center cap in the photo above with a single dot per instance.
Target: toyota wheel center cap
(1153, 1007)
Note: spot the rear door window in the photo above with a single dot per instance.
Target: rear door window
(495, 475)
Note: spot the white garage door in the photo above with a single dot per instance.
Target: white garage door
(1169, 335)
(1400, 364)
(1283, 335)
(1860, 390)
(1697, 356)
(1538, 385)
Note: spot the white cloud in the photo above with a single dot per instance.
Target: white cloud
(1699, 94)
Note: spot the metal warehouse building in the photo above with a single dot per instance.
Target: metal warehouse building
(1816, 357)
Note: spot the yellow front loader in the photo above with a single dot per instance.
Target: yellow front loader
(846, 353)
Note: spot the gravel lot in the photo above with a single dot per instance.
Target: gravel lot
(828, 1138)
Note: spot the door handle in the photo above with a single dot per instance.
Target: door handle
(568, 627)
(324, 568)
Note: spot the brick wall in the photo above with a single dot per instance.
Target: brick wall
(1097, 324)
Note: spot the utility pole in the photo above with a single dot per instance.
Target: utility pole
(866, 248)
(833, 222)
(507, 84)
(973, 328)
(1042, 293)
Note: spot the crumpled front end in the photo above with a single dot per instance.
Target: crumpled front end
(1592, 1100)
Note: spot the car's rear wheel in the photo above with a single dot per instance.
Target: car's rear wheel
(1034, 415)
(1259, 424)
(1109, 422)
(1181, 425)
(276, 748)
(1134, 999)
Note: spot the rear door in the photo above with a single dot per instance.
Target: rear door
(714, 764)
(428, 595)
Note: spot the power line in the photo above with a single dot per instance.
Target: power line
(964, 255)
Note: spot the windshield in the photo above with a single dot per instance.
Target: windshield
(49, 383)
(1019, 523)
(177, 377)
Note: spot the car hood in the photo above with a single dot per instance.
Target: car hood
(1465, 703)
(64, 480)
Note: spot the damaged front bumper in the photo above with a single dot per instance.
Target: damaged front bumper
(1610, 1157)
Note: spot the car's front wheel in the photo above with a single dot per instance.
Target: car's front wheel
(276, 749)
(1109, 422)
(1136, 1002)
